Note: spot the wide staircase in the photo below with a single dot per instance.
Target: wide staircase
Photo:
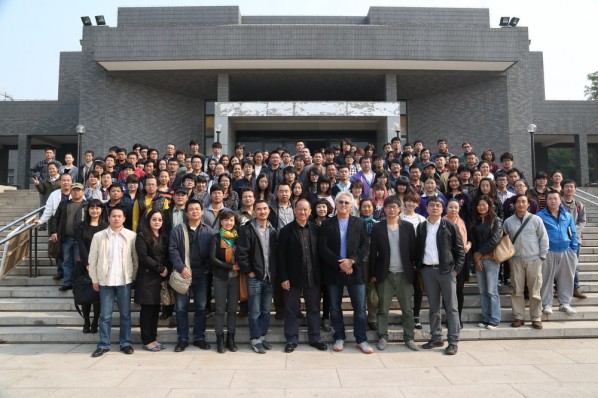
(33, 310)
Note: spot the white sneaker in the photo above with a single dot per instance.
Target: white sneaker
(482, 325)
(566, 308)
(491, 326)
(365, 347)
(547, 309)
(339, 345)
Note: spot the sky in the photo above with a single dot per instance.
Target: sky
(34, 32)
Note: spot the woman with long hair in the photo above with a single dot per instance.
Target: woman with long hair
(262, 188)
(211, 168)
(356, 189)
(258, 162)
(225, 161)
(162, 165)
(489, 156)
(455, 191)
(324, 191)
(163, 188)
(297, 192)
(382, 176)
(226, 280)
(485, 235)
(453, 211)
(557, 179)
(230, 198)
(487, 187)
(152, 253)
(379, 194)
(84, 232)
(313, 175)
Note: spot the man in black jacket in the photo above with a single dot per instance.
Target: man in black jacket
(62, 227)
(256, 256)
(392, 256)
(299, 271)
(343, 247)
(440, 258)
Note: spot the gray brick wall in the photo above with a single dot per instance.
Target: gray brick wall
(69, 77)
(163, 16)
(429, 16)
(475, 113)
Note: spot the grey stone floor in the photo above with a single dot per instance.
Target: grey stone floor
(492, 368)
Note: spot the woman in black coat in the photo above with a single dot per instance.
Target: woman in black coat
(152, 251)
(84, 232)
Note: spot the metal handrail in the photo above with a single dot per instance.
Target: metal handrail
(32, 230)
(586, 193)
(22, 219)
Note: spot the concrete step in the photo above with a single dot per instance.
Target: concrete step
(48, 301)
(72, 334)
(471, 316)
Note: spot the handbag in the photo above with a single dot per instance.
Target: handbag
(505, 249)
(243, 293)
(167, 296)
(83, 292)
(177, 281)
(55, 249)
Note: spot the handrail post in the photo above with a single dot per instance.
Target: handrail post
(30, 251)
(35, 254)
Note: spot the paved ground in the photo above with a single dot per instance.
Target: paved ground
(500, 368)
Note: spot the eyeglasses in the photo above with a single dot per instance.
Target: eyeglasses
(343, 202)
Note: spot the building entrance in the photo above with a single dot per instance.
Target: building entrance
(314, 140)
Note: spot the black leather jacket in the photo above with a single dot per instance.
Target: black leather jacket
(485, 236)
(449, 243)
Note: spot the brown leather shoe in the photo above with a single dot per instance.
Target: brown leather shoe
(537, 325)
(579, 294)
(517, 323)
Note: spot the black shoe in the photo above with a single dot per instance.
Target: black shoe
(86, 326)
(202, 344)
(432, 344)
(300, 315)
(279, 316)
(418, 324)
(230, 342)
(181, 345)
(373, 325)
(319, 345)
(451, 349)
(65, 288)
(94, 326)
(290, 347)
(127, 349)
(243, 311)
(220, 343)
(266, 345)
(99, 352)
(58, 277)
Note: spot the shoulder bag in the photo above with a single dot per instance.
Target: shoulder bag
(177, 281)
(505, 249)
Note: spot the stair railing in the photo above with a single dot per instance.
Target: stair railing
(32, 230)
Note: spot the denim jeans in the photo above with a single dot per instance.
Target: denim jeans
(199, 287)
(488, 285)
(70, 251)
(260, 301)
(108, 294)
(357, 295)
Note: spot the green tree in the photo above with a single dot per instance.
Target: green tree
(591, 91)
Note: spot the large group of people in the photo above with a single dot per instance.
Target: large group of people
(252, 230)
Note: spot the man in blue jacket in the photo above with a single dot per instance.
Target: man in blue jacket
(561, 259)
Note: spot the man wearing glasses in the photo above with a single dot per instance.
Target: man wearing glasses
(392, 256)
(343, 246)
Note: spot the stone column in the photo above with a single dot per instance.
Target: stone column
(22, 174)
(582, 161)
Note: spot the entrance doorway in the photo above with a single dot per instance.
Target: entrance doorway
(314, 140)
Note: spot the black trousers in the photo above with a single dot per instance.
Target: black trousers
(148, 322)
(292, 300)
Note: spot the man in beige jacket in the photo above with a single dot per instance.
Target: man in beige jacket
(112, 267)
